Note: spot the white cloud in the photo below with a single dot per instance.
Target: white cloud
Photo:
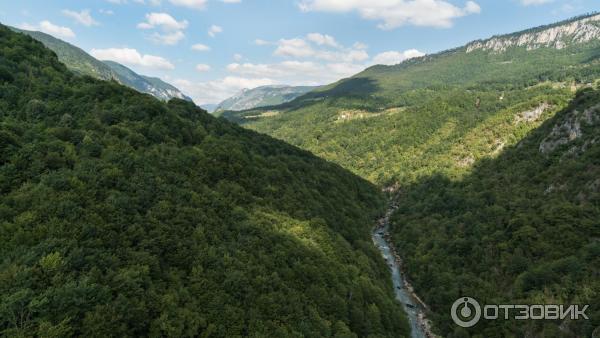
(162, 20)
(50, 28)
(200, 47)
(132, 57)
(294, 48)
(231, 1)
(202, 67)
(106, 12)
(321, 39)
(238, 57)
(214, 30)
(327, 48)
(395, 13)
(394, 57)
(194, 4)
(534, 2)
(84, 17)
(172, 30)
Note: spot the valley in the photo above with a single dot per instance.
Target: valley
(364, 207)
(414, 307)
(487, 206)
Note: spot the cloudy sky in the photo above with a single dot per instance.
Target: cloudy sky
(211, 49)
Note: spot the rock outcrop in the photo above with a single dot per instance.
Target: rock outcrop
(559, 36)
(570, 128)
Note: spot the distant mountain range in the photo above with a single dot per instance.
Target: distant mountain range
(262, 97)
(82, 63)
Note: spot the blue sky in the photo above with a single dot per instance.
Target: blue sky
(211, 49)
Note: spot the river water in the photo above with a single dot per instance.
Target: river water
(412, 306)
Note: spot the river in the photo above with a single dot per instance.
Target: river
(415, 309)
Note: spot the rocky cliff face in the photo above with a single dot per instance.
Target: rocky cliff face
(570, 129)
(559, 36)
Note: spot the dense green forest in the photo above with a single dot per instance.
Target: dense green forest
(121, 215)
(393, 124)
(483, 211)
(523, 228)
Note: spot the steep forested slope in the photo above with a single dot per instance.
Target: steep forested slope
(82, 63)
(520, 229)
(121, 215)
(77, 60)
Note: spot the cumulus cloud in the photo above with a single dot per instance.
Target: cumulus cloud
(162, 20)
(395, 57)
(83, 17)
(395, 13)
(214, 30)
(320, 46)
(131, 57)
(322, 39)
(294, 47)
(171, 30)
(50, 28)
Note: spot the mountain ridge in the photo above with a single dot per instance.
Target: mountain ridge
(84, 64)
(579, 30)
(269, 95)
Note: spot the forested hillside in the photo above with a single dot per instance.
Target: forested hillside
(123, 216)
(494, 149)
(82, 63)
(523, 228)
(437, 113)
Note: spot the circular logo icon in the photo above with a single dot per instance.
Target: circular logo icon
(463, 309)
